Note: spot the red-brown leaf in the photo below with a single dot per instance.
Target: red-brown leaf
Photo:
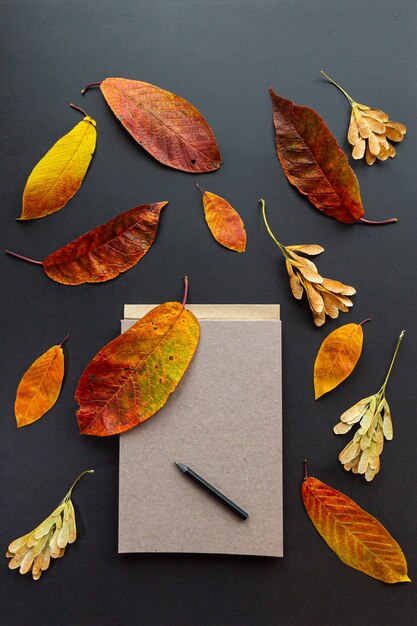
(312, 161)
(108, 250)
(224, 221)
(167, 126)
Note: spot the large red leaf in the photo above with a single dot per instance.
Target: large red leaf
(106, 251)
(312, 161)
(167, 126)
(132, 376)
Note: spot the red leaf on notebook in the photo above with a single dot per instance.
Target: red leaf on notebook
(170, 128)
(133, 376)
(313, 162)
(106, 251)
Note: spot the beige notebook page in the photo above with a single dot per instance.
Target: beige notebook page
(224, 421)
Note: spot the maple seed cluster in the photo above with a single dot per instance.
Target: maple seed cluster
(33, 552)
(362, 454)
(369, 131)
(325, 296)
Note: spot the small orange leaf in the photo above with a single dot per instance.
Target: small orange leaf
(224, 221)
(40, 386)
(59, 174)
(357, 538)
(337, 357)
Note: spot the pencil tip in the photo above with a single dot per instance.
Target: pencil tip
(181, 466)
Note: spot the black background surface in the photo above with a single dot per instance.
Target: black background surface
(223, 57)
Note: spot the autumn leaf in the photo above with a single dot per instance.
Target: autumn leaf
(40, 386)
(369, 131)
(106, 251)
(224, 221)
(324, 296)
(33, 552)
(357, 538)
(313, 162)
(361, 455)
(171, 129)
(132, 377)
(59, 174)
(337, 357)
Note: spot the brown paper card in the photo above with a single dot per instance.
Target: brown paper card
(224, 421)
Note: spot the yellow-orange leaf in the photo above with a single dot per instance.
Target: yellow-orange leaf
(337, 357)
(40, 386)
(357, 538)
(59, 174)
(224, 222)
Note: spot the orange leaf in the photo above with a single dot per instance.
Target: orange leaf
(106, 251)
(170, 128)
(59, 174)
(357, 538)
(132, 377)
(224, 221)
(337, 357)
(40, 386)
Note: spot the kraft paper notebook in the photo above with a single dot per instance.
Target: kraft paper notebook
(224, 421)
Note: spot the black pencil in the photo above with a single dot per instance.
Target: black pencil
(214, 492)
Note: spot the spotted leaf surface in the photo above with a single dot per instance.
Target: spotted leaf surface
(132, 376)
(170, 128)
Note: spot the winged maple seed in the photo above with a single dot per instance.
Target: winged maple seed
(362, 454)
(369, 131)
(325, 296)
(33, 552)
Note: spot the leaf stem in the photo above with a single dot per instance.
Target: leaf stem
(392, 360)
(351, 100)
(77, 108)
(64, 339)
(392, 220)
(280, 246)
(305, 469)
(368, 319)
(200, 188)
(184, 300)
(24, 258)
(89, 87)
(68, 496)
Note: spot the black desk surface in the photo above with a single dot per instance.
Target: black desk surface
(223, 57)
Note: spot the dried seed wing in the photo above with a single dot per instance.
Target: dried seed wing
(383, 153)
(375, 113)
(387, 424)
(307, 248)
(314, 298)
(342, 428)
(397, 126)
(46, 558)
(373, 144)
(376, 126)
(365, 130)
(308, 270)
(349, 452)
(18, 543)
(363, 462)
(355, 412)
(45, 527)
(64, 532)
(391, 151)
(369, 158)
(295, 283)
(27, 562)
(359, 149)
(353, 130)
(72, 524)
(36, 568)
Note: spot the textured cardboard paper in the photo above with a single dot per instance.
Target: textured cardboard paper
(224, 421)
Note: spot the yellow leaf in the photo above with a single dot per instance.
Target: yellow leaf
(40, 386)
(59, 174)
(337, 357)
